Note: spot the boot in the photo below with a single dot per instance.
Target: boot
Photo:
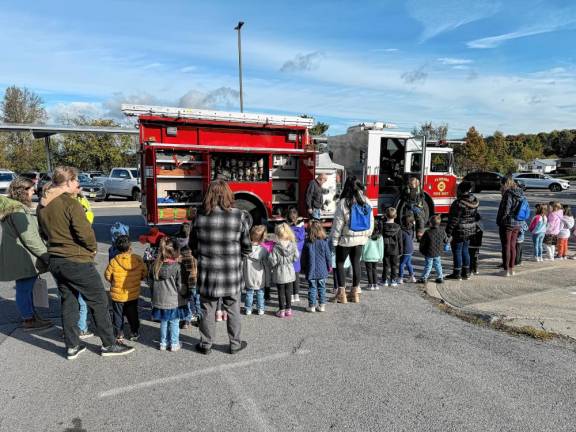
(341, 296)
(355, 295)
(456, 275)
(465, 273)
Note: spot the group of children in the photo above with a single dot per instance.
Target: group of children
(551, 228)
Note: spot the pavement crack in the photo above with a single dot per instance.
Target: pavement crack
(298, 346)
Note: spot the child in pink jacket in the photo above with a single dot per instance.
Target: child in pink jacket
(555, 214)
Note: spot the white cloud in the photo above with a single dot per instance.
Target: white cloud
(302, 62)
(188, 69)
(62, 112)
(442, 16)
(454, 61)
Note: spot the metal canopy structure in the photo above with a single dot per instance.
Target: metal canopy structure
(46, 131)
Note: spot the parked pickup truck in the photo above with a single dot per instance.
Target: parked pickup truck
(122, 182)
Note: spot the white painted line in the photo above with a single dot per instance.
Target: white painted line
(207, 371)
(258, 419)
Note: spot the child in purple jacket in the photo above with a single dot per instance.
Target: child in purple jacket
(297, 226)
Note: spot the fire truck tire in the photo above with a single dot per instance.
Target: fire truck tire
(254, 208)
(135, 194)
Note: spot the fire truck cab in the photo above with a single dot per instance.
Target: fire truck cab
(267, 161)
(384, 159)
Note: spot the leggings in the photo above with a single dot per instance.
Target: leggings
(285, 295)
(342, 253)
(371, 272)
(562, 247)
(296, 284)
(508, 238)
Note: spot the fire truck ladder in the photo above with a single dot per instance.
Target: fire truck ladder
(232, 117)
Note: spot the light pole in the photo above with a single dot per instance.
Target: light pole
(238, 28)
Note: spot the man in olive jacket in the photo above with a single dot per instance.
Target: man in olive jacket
(72, 247)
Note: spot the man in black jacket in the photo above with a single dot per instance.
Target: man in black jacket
(314, 196)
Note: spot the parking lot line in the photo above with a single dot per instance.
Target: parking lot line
(206, 371)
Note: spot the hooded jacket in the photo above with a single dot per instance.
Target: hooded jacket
(554, 222)
(432, 242)
(300, 234)
(168, 291)
(392, 236)
(566, 227)
(124, 272)
(257, 268)
(342, 235)
(63, 223)
(316, 259)
(508, 207)
(23, 253)
(282, 260)
(407, 240)
(462, 217)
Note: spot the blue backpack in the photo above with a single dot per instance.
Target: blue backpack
(523, 210)
(360, 217)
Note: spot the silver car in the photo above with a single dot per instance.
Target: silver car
(542, 181)
(6, 178)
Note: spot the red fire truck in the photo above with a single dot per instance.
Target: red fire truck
(384, 159)
(267, 160)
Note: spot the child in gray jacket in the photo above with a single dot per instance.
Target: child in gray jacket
(256, 270)
(282, 259)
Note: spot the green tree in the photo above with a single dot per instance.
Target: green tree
(87, 151)
(499, 157)
(472, 155)
(319, 128)
(20, 151)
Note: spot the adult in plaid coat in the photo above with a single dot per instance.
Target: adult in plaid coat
(220, 240)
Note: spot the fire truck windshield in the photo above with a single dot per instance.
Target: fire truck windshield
(440, 162)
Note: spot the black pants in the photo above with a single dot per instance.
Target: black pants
(518, 259)
(508, 238)
(390, 265)
(285, 295)
(129, 310)
(81, 278)
(355, 252)
(207, 325)
(371, 272)
(296, 284)
(474, 252)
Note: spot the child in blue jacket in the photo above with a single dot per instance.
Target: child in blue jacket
(316, 265)
(408, 249)
(372, 254)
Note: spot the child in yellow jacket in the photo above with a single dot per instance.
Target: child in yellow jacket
(125, 272)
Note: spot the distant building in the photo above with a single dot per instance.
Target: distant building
(521, 166)
(540, 166)
(567, 165)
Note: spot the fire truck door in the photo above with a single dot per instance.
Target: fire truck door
(391, 171)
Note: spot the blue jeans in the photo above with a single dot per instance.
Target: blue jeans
(428, 263)
(194, 306)
(83, 318)
(406, 261)
(171, 328)
(316, 214)
(538, 240)
(24, 300)
(250, 298)
(316, 288)
(461, 254)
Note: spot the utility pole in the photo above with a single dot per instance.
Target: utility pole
(239, 28)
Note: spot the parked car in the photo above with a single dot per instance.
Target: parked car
(91, 188)
(122, 182)
(93, 174)
(484, 181)
(6, 177)
(542, 181)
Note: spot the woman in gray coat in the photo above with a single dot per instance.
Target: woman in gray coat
(23, 254)
(220, 239)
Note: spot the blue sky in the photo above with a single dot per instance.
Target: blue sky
(506, 65)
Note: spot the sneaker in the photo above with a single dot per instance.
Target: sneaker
(311, 309)
(439, 281)
(176, 347)
(242, 346)
(281, 314)
(195, 318)
(260, 311)
(202, 350)
(249, 311)
(117, 350)
(394, 284)
(376, 287)
(85, 334)
(386, 283)
(296, 298)
(134, 337)
(400, 281)
(224, 316)
(512, 273)
(35, 324)
(421, 281)
(369, 288)
(413, 279)
(72, 353)
(321, 308)
(218, 315)
(292, 298)
(288, 313)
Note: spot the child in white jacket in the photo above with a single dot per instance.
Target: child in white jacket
(256, 271)
(564, 234)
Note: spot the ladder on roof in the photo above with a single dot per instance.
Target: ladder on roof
(225, 116)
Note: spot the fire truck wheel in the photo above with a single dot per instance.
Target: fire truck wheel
(254, 209)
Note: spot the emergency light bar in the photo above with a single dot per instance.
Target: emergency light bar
(198, 114)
